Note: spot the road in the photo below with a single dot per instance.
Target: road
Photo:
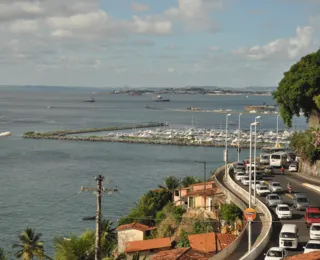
(297, 216)
(256, 230)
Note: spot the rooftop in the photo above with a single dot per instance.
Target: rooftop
(149, 244)
(207, 242)
(136, 226)
(182, 254)
(208, 192)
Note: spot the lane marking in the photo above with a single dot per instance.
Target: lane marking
(289, 195)
(311, 186)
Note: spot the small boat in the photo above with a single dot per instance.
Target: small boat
(5, 134)
(90, 100)
(161, 99)
(89, 218)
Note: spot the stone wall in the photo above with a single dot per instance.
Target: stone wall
(312, 170)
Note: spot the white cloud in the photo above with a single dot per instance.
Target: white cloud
(214, 48)
(138, 7)
(23, 26)
(291, 48)
(171, 70)
(196, 14)
(61, 33)
(151, 25)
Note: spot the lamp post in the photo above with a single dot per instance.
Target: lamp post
(239, 137)
(250, 182)
(226, 148)
(277, 129)
(255, 157)
(204, 182)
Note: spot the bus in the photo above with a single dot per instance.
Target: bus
(270, 150)
(278, 159)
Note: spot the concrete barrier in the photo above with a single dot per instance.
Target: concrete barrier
(225, 253)
(259, 248)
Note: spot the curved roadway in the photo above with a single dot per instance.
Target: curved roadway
(297, 216)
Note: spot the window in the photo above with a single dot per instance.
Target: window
(315, 228)
(176, 193)
(314, 215)
(275, 156)
(288, 235)
(313, 246)
(191, 202)
(275, 253)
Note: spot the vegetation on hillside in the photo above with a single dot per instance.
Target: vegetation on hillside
(299, 90)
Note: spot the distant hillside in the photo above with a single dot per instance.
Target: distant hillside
(53, 88)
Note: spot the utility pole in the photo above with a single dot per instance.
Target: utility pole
(98, 192)
(205, 184)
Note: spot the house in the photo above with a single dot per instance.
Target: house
(210, 242)
(182, 254)
(148, 247)
(131, 232)
(199, 195)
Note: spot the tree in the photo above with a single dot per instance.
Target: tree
(3, 255)
(205, 226)
(230, 212)
(189, 180)
(75, 248)
(108, 237)
(300, 89)
(30, 245)
(171, 183)
(183, 239)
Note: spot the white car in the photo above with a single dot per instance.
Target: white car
(276, 253)
(255, 185)
(283, 211)
(238, 171)
(293, 168)
(241, 175)
(263, 190)
(245, 180)
(275, 187)
(311, 246)
(315, 231)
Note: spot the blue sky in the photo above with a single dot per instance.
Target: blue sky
(167, 43)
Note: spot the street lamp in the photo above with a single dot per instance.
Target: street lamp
(250, 181)
(277, 129)
(204, 181)
(239, 137)
(255, 157)
(226, 148)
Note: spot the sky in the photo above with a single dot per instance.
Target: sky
(154, 43)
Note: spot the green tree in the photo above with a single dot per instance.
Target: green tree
(230, 212)
(30, 245)
(300, 89)
(75, 248)
(108, 237)
(189, 180)
(3, 255)
(204, 226)
(183, 239)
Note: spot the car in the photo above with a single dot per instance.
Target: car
(315, 231)
(311, 246)
(312, 216)
(265, 159)
(293, 168)
(245, 180)
(255, 185)
(273, 200)
(300, 201)
(268, 170)
(283, 211)
(276, 253)
(241, 175)
(262, 190)
(275, 187)
(238, 171)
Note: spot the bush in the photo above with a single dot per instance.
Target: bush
(230, 212)
(183, 239)
(205, 226)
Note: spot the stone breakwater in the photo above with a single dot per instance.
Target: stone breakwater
(132, 141)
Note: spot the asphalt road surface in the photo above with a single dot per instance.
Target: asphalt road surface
(297, 216)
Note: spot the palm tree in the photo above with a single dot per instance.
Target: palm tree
(171, 183)
(108, 237)
(75, 248)
(3, 255)
(30, 246)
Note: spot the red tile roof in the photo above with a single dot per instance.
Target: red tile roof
(207, 242)
(209, 192)
(135, 225)
(308, 256)
(173, 254)
(143, 245)
(182, 254)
